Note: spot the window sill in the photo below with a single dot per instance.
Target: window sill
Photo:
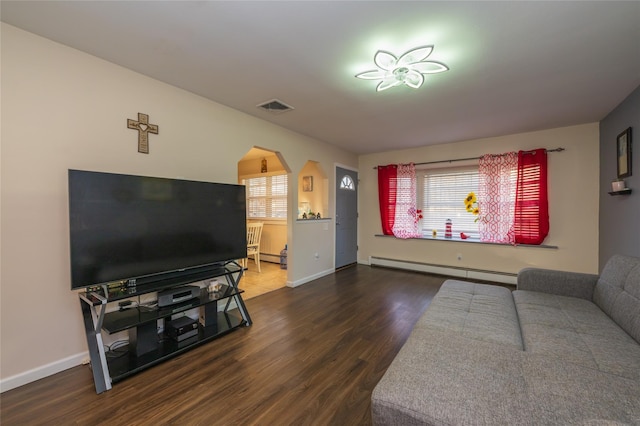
(472, 241)
(278, 222)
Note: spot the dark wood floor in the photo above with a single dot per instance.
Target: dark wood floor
(312, 357)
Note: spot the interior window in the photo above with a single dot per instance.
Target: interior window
(441, 195)
(267, 197)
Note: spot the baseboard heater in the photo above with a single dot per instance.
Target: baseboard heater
(267, 257)
(473, 274)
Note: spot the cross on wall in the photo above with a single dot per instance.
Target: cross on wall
(144, 128)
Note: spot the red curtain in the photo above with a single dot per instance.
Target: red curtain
(387, 189)
(531, 221)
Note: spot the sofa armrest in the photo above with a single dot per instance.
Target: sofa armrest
(573, 284)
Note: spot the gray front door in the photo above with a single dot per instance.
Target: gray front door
(346, 217)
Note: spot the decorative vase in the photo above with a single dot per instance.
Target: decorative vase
(617, 185)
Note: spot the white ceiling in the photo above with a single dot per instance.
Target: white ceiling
(514, 66)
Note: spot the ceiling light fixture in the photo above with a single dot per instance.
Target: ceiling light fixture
(408, 69)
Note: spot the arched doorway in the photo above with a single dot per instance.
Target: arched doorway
(265, 174)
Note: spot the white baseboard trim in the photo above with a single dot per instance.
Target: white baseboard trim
(43, 371)
(452, 271)
(310, 278)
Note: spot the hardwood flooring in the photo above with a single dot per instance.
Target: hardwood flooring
(312, 357)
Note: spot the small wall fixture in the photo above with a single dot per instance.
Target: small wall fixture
(409, 69)
(619, 188)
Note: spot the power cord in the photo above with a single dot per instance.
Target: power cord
(117, 349)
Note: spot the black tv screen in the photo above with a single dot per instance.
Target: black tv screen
(125, 227)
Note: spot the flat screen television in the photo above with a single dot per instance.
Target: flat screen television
(125, 227)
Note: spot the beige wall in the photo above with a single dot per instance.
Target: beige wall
(573, 205)
(317, 197)
(65, 109)
(252, 168)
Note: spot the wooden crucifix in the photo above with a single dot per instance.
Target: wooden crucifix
(144, 128)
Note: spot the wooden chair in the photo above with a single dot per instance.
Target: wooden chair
(254, 233)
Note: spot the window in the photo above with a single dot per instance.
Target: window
(347, 183)
(441, 195)
(511, 189)
(267, 197)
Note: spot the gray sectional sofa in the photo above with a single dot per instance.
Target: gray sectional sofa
(561, 349)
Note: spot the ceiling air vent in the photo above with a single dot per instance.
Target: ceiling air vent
(275, 106)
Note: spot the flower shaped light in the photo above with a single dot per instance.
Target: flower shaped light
(408, 69)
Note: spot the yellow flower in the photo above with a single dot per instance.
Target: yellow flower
(471, 204)
(471, 198)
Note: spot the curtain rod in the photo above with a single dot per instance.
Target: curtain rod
(474, 158)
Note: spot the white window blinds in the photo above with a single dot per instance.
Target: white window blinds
(267, 197)
(442, 193)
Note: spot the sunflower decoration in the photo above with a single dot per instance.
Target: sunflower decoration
(471, 203)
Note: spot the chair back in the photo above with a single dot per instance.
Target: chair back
(254, 233)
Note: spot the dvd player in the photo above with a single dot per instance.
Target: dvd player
(177, 295)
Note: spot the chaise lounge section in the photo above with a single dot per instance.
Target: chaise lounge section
(561, 349)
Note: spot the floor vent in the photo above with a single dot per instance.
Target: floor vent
(275, 106)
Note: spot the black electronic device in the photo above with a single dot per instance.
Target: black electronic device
(140, 230)
(177, 295)
(181, 328)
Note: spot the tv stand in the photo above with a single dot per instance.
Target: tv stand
(146, 347)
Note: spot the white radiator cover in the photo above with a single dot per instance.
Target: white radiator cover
(274, 238)
(475, 274)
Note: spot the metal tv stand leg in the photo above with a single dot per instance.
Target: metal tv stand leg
(238, 298)
(93, 328)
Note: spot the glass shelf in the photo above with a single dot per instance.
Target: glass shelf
(170, 281)
(123, 362)
(127, 318)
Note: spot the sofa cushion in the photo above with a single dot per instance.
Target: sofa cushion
(617, 293)
(442, 378)
(577, 331)
(476, 311)
(562, 283)
(563, 393)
